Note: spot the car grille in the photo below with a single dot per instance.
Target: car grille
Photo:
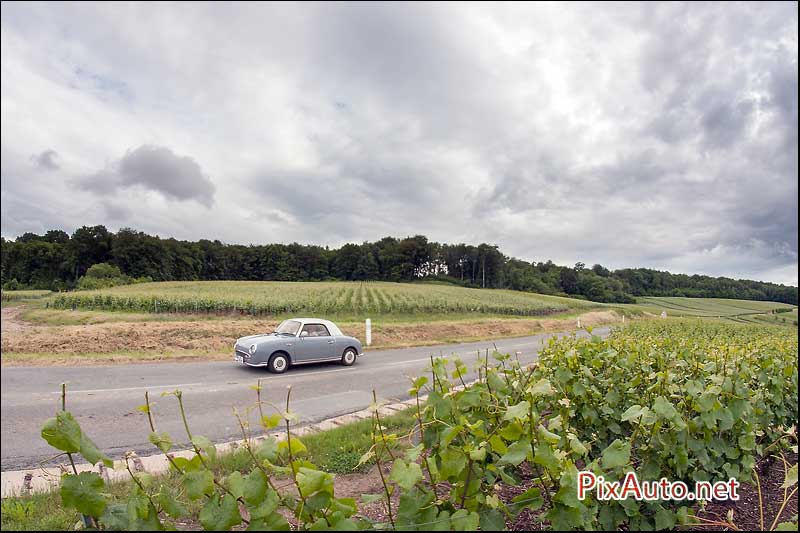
(243, 353)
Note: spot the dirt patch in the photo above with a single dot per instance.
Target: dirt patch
(746, 513)
(213, 339)
(10, 320)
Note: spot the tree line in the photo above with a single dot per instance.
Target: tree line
(57, 261)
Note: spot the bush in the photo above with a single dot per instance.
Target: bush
(102, 276)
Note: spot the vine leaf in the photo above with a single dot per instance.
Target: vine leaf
(83, 492)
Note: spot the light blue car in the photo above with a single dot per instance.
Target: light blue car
(296, 342)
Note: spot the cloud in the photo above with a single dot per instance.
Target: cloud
(659, 135)
(47, 160)
(154, 168)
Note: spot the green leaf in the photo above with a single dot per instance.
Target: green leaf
(405, 474)
(188, 465)
(530, 499)
(297, 445)
(312, 481)
(790, 478)
(267, 507)
(254, 488)
(83, 492)
(632, 413)
(220, 514)
(617, 454)
(541, 388)
(161, 440)
(664, 408)
(516, 453)
(548, 436)
(519, 411)
(235, 483)
(463, 520)
(453, 462)
(271, 421)
(707, 400)
(92, 453)
(665, 519)
(168, 500)
(115, 517)
(267, 450)
(544, 456)
(63, 432)
(272, 522)
(577, 446)
(492, 520)
(206, 445)
(198, 483)
(786, 526)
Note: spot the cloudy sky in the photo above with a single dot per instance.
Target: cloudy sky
(654, 135)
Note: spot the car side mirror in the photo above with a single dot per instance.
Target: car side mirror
(303, 334)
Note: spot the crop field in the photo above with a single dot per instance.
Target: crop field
(711, 307)
(8, 296)
(339, 298)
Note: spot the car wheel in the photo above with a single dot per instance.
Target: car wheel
(349, 357)
(278, 363)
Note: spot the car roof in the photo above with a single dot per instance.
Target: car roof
(333, 328)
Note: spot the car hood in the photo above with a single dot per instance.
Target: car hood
(251, 339)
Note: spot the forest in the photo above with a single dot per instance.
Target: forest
(57, 261)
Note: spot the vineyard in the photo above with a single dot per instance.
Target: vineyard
(318, 298)
(686, 401)
(712, 307)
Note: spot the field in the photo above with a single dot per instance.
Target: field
(8, 296)
(733, 310)
(339, 299)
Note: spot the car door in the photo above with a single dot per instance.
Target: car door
(315, 343)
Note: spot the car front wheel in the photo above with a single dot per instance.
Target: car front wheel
(278, 363)
(349, 357)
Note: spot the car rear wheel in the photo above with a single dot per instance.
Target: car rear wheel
(278, 363)
(349, 357)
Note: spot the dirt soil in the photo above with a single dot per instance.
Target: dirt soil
(213, 339)
(746, 513)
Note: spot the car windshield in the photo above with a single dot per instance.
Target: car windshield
(288, 327)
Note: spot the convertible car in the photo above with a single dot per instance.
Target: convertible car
(295, 342)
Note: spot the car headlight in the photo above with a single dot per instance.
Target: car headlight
(253, 349)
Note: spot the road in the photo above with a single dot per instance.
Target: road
(104, 398)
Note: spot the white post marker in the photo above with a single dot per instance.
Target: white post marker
(623, 319)
(369, 332)
(579, 323)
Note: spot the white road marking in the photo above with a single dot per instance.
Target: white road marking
(133, 388)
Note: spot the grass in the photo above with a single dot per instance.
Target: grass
(336, 450)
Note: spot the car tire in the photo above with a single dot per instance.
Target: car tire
(278, 363)
(349, 357)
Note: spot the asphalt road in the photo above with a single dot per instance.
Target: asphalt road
(104, 398)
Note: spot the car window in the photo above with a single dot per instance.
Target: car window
(316, 330)
(289, 326)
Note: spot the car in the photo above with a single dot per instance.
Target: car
(298, 341)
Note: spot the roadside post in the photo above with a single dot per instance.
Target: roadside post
(579, 323)
(369, 332)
